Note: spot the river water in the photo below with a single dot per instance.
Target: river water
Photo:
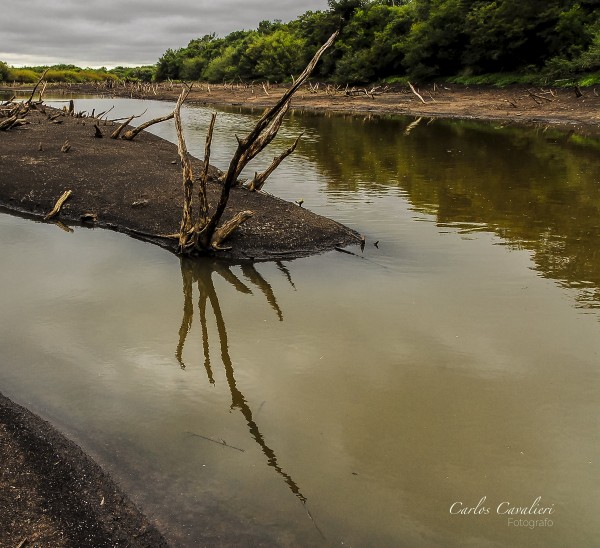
(366, 400)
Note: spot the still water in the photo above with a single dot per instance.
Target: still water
(338, 400)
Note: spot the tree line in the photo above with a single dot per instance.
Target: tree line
(469, 41)
(392, 40)
(73, 74)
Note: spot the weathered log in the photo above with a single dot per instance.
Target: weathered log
(9, 122)
(226, 229)
(115, 134)
(59, 203)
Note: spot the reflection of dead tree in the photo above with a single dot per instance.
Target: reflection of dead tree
(254, 276)
(201, 273)
(412, 125)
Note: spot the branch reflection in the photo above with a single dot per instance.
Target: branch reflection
(201, 273)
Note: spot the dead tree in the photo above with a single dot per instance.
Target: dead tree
(204, 234)
(28, 102)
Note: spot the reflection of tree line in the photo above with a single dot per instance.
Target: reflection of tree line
(201, 273)
(536, 188)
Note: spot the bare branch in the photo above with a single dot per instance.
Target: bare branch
(258, 180)
(36, 86)
(132, 133)
(412, 88)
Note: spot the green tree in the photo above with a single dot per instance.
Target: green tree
(371, 44)
(436, 39)
(276, 55)
(4, 71)
(168, 66)
(346, 8)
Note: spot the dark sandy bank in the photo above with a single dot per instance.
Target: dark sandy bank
(135, 187)
(53, 494)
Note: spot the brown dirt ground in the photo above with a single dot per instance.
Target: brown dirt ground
(51, 493)
(515, 104)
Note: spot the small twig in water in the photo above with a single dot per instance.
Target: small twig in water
(220, 442)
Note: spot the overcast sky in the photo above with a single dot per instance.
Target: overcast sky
(109, 33)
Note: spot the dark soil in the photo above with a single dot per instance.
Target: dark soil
(52, 494)
(136, 187)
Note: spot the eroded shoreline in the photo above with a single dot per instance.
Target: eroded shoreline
(558, 107)
(135, 187)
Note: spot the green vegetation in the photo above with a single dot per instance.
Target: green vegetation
(493, 42)
(56, 73)
(4, 71)
(76, 75)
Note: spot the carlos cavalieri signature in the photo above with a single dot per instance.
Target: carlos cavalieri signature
(511, 511)
(505, 507)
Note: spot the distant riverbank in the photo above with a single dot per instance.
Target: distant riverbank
(573, 108)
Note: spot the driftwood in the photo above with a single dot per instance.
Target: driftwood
(412, 88)
(538, 96)
(226, 229)
(185, 230)
(132, 133)
(9, 122)
(16, 116)
(191, 231)
(115, 134)
(59, 203)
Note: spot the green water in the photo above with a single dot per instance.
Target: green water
(338, 399)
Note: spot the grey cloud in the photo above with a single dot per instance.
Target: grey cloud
(111, 32)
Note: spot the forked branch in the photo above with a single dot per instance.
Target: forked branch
(259, 179)
(202, 235)
(263, 133)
